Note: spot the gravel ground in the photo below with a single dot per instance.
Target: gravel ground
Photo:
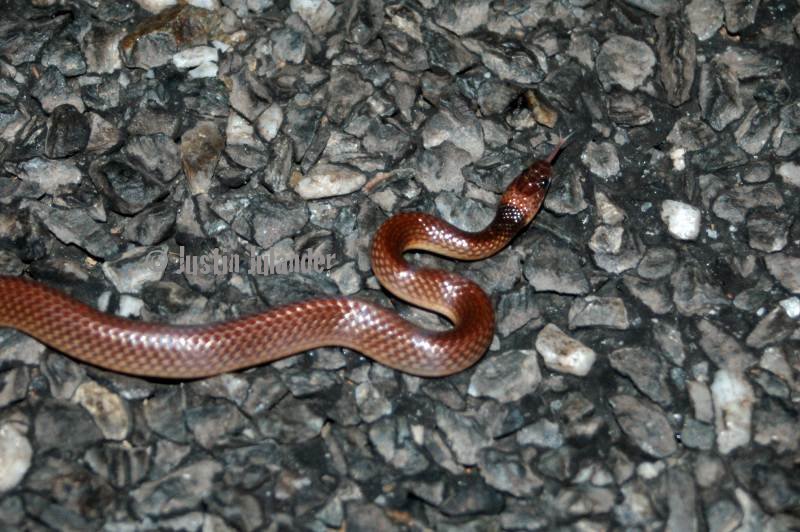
(645, 374)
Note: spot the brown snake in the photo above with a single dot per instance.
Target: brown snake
(169, 351)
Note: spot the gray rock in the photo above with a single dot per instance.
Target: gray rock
(128, 187)
(693, 294)
(469, 496)
(158, 153)
(104, 136)
(755, 129)
(768, 231)
(739, 14)
(506, 377)
(601, 159)
(646, 371)
(594, 311)
(465, 17)
(645, 424)
(300, 125)
(654, 7)
(381, 138)
(216, 424)
(516, 309)
(654, 295)
(372, 403)
(50, 176)
(705, 17)
(447, 52)
(290, 421)
(52, 91)
(120, 464)
(776, 327)
(657, 263)
(76, 226)
(723, 349)
(65, 55)
(508, 473)
(543, 433)
(625, 62)
(440, 168)
(180, 490)
(697, 435)
(733, 205)
(151, 226)
(325, 180)
(201, 147)
(136, 267)
(465, 436)
(677, 58)
(628, 109)
(557, 269)
(261, 218)
(345, 90)
(509, 61)
(393, 439)
(720, 97)
(13, 385)
(65, 427)
(786, 269)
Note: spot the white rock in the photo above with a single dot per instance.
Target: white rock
(192, 57)
(315, 13)
(211, 5)
(682, 219)
(609, 213)
(107, 409)
(733, 409)
(133, 269)
(240, 132)
(156, 6)
(701, 401)
(790, 172)
(15, 455)
(50, 175)
(562, 353)
(326, 180)
(257, 6)
(678, 158)
(269, 122)
(130, 306)
(792, 307)
(206, 70)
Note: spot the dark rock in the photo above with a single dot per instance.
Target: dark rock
(67, 132)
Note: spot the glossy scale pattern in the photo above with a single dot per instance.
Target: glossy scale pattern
(168, 351)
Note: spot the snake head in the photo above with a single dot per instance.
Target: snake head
(524, 196)
(535, 180)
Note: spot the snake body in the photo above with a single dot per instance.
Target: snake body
(192, 351)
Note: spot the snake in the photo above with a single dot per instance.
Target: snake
(168, 351)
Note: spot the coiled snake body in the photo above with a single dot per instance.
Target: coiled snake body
(169, 351)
